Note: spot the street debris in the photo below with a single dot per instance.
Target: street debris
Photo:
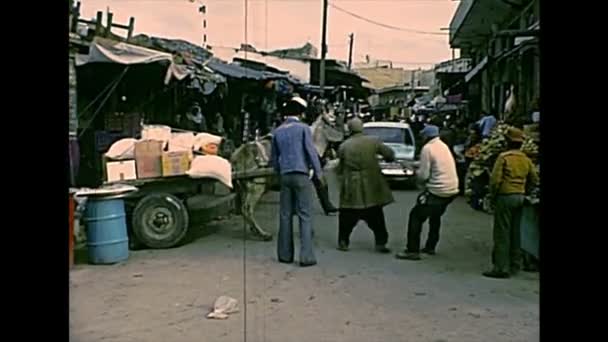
(475, 314)
(276, 300)
(222, 307)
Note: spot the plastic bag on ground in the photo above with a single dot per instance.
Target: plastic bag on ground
(213, 167)
(224, 306)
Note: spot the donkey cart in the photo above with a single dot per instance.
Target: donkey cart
(159, 212)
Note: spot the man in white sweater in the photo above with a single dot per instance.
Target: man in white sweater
(437, 173)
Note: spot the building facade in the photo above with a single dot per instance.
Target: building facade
(501, 39)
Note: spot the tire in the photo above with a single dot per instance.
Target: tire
(160, 221)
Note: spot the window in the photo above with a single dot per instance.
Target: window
(390, 135)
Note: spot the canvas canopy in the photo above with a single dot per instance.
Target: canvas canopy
(109, 51)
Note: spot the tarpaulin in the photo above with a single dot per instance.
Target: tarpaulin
(109, 51)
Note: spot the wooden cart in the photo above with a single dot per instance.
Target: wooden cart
(159, 212)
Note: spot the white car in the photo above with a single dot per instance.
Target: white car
(400, 138)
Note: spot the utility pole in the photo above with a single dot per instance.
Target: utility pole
(203, 10)
(412, 85)
(323, 50)
(350, 50)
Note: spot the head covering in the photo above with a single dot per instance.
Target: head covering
(300, 101)
(430, 131)
(355, 125)
(515, 135)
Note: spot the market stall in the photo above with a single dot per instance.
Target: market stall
(121, 86)
(480, 169)
(175, 172)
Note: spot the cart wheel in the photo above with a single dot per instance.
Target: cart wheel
(160, 221)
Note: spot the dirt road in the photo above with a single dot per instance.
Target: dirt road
(358, 296)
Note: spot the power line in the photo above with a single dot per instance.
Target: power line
(385, 25)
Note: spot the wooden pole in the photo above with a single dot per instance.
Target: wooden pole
(350, 50)
(323, 50)
(131, 27)
(98, 23)
(109, 24)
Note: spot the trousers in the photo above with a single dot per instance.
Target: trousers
(322, 190)
(431, 207)
(506, 254)
(295, 199)
(374, 217)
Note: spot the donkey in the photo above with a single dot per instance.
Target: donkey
(255, 156)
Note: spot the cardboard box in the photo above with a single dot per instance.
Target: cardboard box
(148, 155)
(176, 163)
(121, 170)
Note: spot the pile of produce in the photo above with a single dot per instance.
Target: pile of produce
(480, 169)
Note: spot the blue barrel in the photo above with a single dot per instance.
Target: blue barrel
(107, 239)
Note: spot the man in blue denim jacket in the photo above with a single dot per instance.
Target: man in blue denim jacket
(293, 156)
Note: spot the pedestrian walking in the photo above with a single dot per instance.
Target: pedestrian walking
(513, 175)
(293, 156)
(437, 173)
(363, 189)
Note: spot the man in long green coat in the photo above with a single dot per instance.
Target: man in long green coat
(363, 189)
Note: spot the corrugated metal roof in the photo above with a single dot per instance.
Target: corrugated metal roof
(197, 53)
(299, 69)
(237, 71)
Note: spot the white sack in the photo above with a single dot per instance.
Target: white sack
(203, 139)
(123, 149)
(213, 167)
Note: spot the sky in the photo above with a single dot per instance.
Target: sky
(275, 24)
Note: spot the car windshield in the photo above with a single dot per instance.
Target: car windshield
(390, 135)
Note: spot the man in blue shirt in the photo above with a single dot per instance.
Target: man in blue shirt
(486, 124)
(294, 156)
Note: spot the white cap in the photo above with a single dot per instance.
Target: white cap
(300, 100)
